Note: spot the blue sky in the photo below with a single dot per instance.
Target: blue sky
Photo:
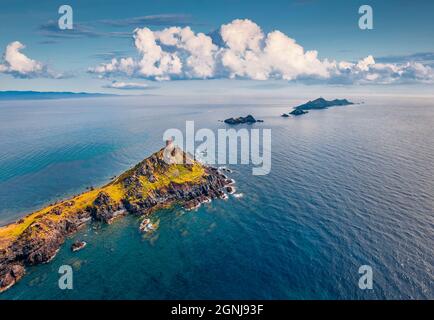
(403, 31)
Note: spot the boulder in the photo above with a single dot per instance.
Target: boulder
(104, 207)
(298, 112)
(78, 245)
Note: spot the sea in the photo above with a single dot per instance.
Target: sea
(348, 187)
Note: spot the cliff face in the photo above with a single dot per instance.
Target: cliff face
(150, 185)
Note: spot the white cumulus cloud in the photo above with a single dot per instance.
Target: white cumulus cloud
(245, 51)
(19, 65)
(251, 54)
(368, 71)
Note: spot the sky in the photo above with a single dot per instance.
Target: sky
(299, 41)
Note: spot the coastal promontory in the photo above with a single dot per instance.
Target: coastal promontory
(163, 179)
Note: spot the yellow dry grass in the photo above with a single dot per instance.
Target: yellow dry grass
(175, 173)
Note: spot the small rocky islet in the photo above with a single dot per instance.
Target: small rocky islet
(162, 180)
(316, 104)
(298, 112)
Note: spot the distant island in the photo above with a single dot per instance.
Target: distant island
(159, 181)
(249, 119)
(39, 95)
(298, 112)
(319, 103)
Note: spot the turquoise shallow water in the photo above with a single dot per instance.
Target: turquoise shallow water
(348, 186)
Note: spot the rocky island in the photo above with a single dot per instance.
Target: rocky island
(78, 245)
(319, 103)
(152, 184)
(298, 112)
(249, 119)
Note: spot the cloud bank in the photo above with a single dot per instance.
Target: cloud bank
(244, 51)
(19, 65)
(127, 85)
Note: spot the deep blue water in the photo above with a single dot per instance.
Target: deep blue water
(349, 186)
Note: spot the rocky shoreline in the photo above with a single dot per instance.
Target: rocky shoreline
(150, 185)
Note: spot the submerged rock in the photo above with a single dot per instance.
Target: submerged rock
(230, 189)
(192, 204)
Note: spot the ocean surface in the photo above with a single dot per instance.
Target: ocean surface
(349, 186)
